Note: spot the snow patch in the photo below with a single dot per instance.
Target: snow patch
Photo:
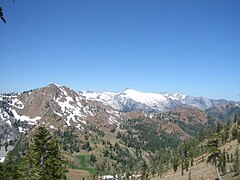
(57, 113)
(79, 127)
(73, 112)
(9, 122)
(176, 96)
(22, 118)
(52, 127)
(16, 103)
(114, 113)
(107, 177)
(112, 120)
(3, 115)
(2, 159)
(20, 129)
(87, 111)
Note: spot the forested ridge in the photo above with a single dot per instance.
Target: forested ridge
(139, 150)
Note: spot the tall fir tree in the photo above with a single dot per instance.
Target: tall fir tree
(43, 160)
(55, 165)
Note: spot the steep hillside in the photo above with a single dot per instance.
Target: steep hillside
(218, 158)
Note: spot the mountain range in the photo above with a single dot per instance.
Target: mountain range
(140, 122)
(130, 99)
(63, 106)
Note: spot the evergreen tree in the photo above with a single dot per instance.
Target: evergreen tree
(214, 153)
(43, 160)
(144, 175)
(9, 169)
(55, 165)
(222, 162)
(2, 173)
(182, 168)
(229, 123)
(175, 163)
(235, 118)
(186, 164)
(234, 133)
(236, 162)
(192, 162)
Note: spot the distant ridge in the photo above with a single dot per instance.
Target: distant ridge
(130, 99)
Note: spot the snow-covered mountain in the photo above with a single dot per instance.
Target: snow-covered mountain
(59, 107)
(131, 99)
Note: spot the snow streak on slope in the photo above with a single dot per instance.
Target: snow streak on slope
(70, 109)
(4, 116)
(23, 118)
(16, 103)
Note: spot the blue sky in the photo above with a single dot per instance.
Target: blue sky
(149, 45)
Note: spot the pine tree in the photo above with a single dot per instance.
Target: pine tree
(192, 162)
(43, 160)
(234, 133)
(2, 173)
(9, 168)
(235, 118)
(186, 164)
(236, 162)
(144, 175)
(182, 168)
(214, 156)
(55, 165)
(222, 161)
(175, 163)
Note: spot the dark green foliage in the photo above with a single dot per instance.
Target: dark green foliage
(144, 174)
(86, 146)
(236, 162)
(192, 129)
(93, 159)
(175, 163)
(223, 162)
(144, 136)
(182, 167)
(214, 152)
(68, 140)
(43, 160)
(9, 169)
(235, 118)
(234, 133)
